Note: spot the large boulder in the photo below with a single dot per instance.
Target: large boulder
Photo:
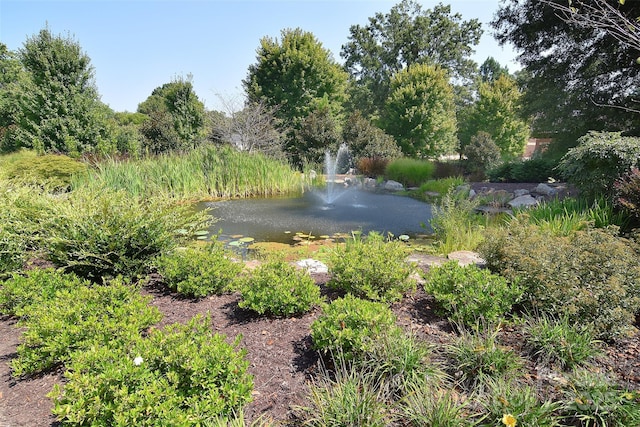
(525, 201)
(392, 185)
(545, 190)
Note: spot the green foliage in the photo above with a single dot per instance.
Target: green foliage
(51, 171)
(592, 399)
(455, 224)
(23, 294)
(317, 133)
(347, 397)
(176, 118)
(77, 319)
(58, 107)
(478, 355)
(406, 35)
(427, 406)
(442, 185)
(181, 375)
(371, 268)
(500, 396)
(409, 172)
(481, 153)
(206, 173)
(351, 325)
(279, 289)
(420, 111)
(113, 233)
(598, 161)
(469, 293)
(558, 342)
(198, 271)
(627, 193)
(537, 169)
(366, 141)
(591, 276)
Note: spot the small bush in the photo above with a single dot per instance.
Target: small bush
(350, 325)
(592, 277)
(598, 161)
(537, 169)
(50, 171)
(113, 233)
(447, 169)
(442, 186)
(372, 167)
(279, 289)
(409, 172)
(477, 355)
(198, 271)
(469, 293)
(499, 397)
(593, 399)
(371, 268)
(481, 153)
(456, 225)
(23, 294)
(428, 406)
(78, 319)
(178, 376)
(558, 342)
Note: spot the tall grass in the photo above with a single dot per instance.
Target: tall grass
(410, 172)
(207, 173)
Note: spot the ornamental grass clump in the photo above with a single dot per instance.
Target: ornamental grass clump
(199, 271)
(77, 319)
(351, 325)
(278, 288)
(371, 268)
(181, 375)
(469, 293)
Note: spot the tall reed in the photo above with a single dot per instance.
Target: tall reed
(207, 173)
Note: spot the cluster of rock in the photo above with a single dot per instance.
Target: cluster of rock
(493, 201)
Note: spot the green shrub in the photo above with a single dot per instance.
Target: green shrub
(593, 399)
(559, 342)
(443, 185)
(198, 271)
(78, 319)
(371, 268)
(592, 277)
(499, 397)
(24, 294)
(481, 154)
(537, 169)
(455, 224)
(12, 251)
(112, 233)
(469, 293)
(178, 376)
(350, 325)
(428, 406)
(409, 172)
(477, 355)
(50, 171)
(279, 289)
(598, 161)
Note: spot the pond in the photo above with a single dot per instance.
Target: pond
(279, 219)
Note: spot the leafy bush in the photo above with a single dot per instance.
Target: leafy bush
(593, 399)
(197, 271)
(178, 376)
(278, 288)
(371, 268)
(598, 161)
(537, 169)
(50, 171)
(78, 319)
(12, 250)
(409, 172)
(113, 233)
(591, 276)
(469, 293)
(455, 224)
(477, 355)
(481, 153)
(559, 342)
(372, 166)
(350, 325)
(499, 397)
(627, 193)
(23, 294)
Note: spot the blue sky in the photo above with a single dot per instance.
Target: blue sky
(136, 46)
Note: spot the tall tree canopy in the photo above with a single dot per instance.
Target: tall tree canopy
(295, 75)
(406, 35)
(58, 108)
(420, 111)
(176, 117)
(578, 78)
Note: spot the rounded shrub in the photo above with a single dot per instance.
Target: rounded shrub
(371, 268)
(198, 271)
(279, 289)
(469, 293)
(349, 325)
(50, 171)
(177, 376)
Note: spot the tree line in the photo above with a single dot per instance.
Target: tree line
(407, 86)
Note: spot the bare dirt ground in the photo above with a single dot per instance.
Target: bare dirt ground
(279, 350)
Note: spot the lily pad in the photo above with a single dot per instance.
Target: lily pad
(403, 237)
(246, 239)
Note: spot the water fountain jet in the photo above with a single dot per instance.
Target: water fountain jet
(331, 169)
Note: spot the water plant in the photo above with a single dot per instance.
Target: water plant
(455, 224)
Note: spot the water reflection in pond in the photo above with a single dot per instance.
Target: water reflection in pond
(278, 219)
